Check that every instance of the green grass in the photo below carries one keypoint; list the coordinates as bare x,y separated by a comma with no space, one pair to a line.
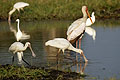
60,9
10,72
14,72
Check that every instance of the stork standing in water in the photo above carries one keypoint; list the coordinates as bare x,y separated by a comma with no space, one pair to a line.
17,6
18,47
77,28
64,44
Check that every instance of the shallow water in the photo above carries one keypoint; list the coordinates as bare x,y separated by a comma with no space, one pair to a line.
103,53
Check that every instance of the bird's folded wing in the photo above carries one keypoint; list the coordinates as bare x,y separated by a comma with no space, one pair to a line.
73,26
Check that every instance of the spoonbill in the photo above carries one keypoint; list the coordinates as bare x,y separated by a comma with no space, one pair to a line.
90,31
64,44
18,47
88,22
17,6
21,35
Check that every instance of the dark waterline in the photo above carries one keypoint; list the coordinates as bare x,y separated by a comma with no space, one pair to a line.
103,53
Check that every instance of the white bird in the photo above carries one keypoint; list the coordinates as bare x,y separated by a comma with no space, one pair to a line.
18,47
17,6
21,35
88,22
77,28
64,44
90,31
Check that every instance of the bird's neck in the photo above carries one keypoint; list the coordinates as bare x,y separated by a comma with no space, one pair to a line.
10,13
25,47
93,18
75,49
84,15
18,25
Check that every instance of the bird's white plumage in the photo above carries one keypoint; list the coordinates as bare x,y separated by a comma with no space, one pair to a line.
74,25
58,43
18,47
19,33
62,44
88,22
76,32
77,27
19,55
19,5
91,32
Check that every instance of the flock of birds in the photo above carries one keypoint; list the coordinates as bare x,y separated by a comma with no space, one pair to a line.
75,33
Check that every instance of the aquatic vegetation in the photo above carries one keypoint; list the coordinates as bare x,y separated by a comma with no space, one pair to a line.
60,9
33,73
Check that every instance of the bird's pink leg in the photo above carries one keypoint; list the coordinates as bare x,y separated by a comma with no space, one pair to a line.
79,43
84,57
80,48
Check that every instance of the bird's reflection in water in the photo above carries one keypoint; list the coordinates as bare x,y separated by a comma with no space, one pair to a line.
82,67
66,63
24,35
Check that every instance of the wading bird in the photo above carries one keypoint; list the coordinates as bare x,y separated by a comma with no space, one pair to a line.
64,44
88,22
77,28
18,47
20,35
17,6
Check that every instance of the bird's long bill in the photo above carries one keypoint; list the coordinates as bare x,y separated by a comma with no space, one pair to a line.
33,54
89,17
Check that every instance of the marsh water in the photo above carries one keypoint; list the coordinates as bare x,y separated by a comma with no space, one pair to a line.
103,53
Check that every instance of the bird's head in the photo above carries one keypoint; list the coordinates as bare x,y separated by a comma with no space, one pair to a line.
80,51
93,13
85,8
48,43
17,20
29,45
27,4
